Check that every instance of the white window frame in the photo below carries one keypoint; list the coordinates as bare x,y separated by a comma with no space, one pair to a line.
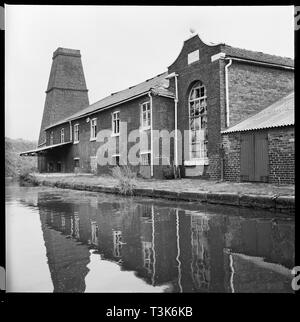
77,159
115,156
93,135
202,159
115,117
62,135
147,124
76,137
143,153
51,138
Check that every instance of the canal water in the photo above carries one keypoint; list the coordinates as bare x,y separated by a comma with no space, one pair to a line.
74,241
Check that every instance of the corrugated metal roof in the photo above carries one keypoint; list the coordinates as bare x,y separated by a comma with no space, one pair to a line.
159,84
280,113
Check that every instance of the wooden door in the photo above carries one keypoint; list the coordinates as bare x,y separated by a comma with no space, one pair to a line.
247,157
254,157
261,162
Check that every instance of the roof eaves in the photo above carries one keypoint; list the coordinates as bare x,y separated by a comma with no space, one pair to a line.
257,56
261,62
256,128
97,110
44,148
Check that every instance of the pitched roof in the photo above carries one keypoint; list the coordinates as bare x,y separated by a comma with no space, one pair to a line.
257,56
280,113
158,85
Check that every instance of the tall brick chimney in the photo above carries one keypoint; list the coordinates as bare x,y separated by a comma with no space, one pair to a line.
66,93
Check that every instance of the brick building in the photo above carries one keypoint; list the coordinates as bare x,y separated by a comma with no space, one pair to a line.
261,148
207,90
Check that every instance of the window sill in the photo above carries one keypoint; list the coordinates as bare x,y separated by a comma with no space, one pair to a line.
145,128
75,142
194,162
92,139
115,134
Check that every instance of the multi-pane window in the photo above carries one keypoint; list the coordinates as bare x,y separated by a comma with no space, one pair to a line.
198,121
76,133
51,138
145,158
76,162
145,115
116,122
93,128
62,135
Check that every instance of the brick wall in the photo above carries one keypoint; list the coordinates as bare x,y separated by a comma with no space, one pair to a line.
66,91
281,155
231,152
253,88
163,119
209,74
129,112
56,133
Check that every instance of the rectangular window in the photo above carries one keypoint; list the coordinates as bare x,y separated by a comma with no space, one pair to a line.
145,158
51,138
76,162
116,159
76,133
93,128
116,122
145,115
62,135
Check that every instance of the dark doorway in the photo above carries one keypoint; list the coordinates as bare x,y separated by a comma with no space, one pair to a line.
254,157
50,167
58,167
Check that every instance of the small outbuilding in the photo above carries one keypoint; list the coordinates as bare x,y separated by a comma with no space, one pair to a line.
261,147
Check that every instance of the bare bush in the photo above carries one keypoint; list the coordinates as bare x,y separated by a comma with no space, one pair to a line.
126,179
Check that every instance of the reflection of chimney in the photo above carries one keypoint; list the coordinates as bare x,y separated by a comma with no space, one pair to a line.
66,93
62,253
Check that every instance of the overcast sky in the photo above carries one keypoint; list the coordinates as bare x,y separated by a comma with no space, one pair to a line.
120,46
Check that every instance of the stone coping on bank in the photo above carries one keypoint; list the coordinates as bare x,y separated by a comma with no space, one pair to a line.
257,196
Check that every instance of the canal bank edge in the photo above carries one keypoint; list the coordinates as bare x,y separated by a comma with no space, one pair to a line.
282,204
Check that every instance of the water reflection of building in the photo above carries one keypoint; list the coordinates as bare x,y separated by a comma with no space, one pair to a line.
95,233
67,260
260,253
191,251
200,266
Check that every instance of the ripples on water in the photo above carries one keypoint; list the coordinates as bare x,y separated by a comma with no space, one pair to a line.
74,241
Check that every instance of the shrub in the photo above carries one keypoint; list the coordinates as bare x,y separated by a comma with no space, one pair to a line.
27,178
126,179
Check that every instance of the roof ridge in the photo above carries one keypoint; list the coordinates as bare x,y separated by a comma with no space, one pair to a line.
147,80
93,106
258,52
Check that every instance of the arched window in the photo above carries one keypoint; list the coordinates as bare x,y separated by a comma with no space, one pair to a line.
198,121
